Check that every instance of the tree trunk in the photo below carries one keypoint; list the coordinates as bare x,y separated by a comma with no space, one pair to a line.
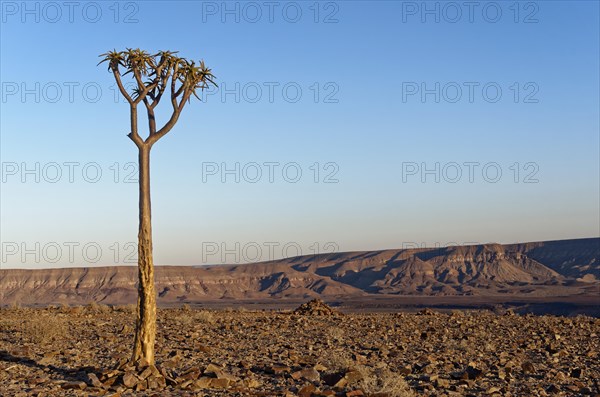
145,330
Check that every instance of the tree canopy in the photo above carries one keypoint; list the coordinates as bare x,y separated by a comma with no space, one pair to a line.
154,74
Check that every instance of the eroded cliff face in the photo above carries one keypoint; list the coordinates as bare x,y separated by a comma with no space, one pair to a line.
571,258
558,267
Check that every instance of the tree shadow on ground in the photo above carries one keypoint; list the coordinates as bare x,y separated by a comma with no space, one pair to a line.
62,373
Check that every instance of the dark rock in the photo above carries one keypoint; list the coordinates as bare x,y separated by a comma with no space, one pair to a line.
473,372
332,379
576,373
528,367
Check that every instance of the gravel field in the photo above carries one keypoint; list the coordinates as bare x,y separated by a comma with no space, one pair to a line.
313,351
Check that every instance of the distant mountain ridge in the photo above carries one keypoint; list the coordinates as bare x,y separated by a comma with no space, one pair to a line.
552,268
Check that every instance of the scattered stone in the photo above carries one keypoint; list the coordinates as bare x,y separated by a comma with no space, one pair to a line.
278,369
213,369
93,380
315,307
359,359
309,374
332,379
355,393
320,367
352,377
191,374
251,383
576,373
264,354
220,383
74,385
130,379
528,367
473,372
307,391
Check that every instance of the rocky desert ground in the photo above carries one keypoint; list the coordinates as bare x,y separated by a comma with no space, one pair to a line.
310,351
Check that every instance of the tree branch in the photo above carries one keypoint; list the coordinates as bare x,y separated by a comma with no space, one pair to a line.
136,139
164,130
143,88
161,89
115,71
151,118
133,135
174,117
185,77
186,97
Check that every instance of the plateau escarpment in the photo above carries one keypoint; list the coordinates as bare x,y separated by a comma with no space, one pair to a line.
542,269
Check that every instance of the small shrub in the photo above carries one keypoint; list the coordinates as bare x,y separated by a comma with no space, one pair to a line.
336,360
195,317
44,329
70,310
335,333
129,309
204,316
96,308
382,380
185,319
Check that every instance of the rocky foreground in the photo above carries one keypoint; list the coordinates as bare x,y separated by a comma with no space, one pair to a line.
313,351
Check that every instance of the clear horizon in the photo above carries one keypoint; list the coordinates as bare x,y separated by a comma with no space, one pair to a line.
337,126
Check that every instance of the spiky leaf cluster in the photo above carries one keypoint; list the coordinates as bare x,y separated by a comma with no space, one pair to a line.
153,74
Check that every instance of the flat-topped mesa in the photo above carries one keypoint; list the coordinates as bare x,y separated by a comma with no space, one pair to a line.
551,269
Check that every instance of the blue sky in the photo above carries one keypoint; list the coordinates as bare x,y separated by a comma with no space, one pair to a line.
394,103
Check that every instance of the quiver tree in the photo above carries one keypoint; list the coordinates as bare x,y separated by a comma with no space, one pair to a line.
153,76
